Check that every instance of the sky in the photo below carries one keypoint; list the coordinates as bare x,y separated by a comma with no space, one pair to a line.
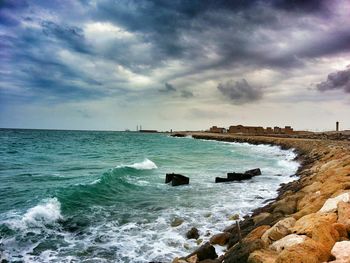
179,64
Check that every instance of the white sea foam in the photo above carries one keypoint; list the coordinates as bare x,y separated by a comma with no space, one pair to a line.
45,213
154,239
144,165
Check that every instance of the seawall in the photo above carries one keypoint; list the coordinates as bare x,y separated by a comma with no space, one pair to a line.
304,223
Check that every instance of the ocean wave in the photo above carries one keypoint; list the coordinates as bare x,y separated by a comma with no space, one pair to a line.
45,213
144,165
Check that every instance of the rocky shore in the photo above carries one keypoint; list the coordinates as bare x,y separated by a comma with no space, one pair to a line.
308,222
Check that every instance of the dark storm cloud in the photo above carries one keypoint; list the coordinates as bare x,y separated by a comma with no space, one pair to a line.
240,92
339,80
203,35
187,29
30,63
168,88
70,36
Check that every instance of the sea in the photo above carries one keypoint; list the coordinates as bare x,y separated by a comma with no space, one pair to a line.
100,196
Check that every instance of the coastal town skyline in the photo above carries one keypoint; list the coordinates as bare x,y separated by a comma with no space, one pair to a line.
180,65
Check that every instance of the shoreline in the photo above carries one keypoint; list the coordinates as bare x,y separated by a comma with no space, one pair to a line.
324,173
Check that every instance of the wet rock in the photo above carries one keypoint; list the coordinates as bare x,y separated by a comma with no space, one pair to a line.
222,180
204,252
176,179
192,233
287,242
234,217
285,206
231,177
341,252
279,230
344,214
220,239
178,135
309,251
176,222
238,176
331,204
253,172
240,252
260,217
262,256
199,241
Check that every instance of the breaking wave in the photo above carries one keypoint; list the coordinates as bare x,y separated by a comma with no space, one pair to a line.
144,165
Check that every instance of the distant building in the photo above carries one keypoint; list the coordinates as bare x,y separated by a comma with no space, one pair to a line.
216,129
277,130
246,129
269,130
288,130
258,130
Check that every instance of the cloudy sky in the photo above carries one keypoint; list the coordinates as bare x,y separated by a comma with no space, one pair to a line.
179,64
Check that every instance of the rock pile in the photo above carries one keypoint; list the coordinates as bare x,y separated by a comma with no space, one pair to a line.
310,220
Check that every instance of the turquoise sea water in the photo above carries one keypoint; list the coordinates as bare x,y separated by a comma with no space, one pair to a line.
89,196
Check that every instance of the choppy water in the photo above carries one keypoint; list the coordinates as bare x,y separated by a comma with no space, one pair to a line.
88,196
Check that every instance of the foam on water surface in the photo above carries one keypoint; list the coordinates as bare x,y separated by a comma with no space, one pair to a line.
124,214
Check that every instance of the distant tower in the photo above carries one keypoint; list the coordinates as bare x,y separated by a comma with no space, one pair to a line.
137,127
337,126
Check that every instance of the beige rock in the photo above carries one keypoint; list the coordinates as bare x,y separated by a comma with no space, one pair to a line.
256,233
341,251
263,256
306,224
331,204
325,234
279,230
287,242
309,251
344,214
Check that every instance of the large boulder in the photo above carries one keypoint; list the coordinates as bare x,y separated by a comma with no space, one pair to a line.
204,252
240,252
331,204
286,206
287,242
325,234
344,214
257,233
220,239
176,179
309,251
306,224
279,230
341,252
263,256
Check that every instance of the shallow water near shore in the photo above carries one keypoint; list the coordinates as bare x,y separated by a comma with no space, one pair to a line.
88,196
